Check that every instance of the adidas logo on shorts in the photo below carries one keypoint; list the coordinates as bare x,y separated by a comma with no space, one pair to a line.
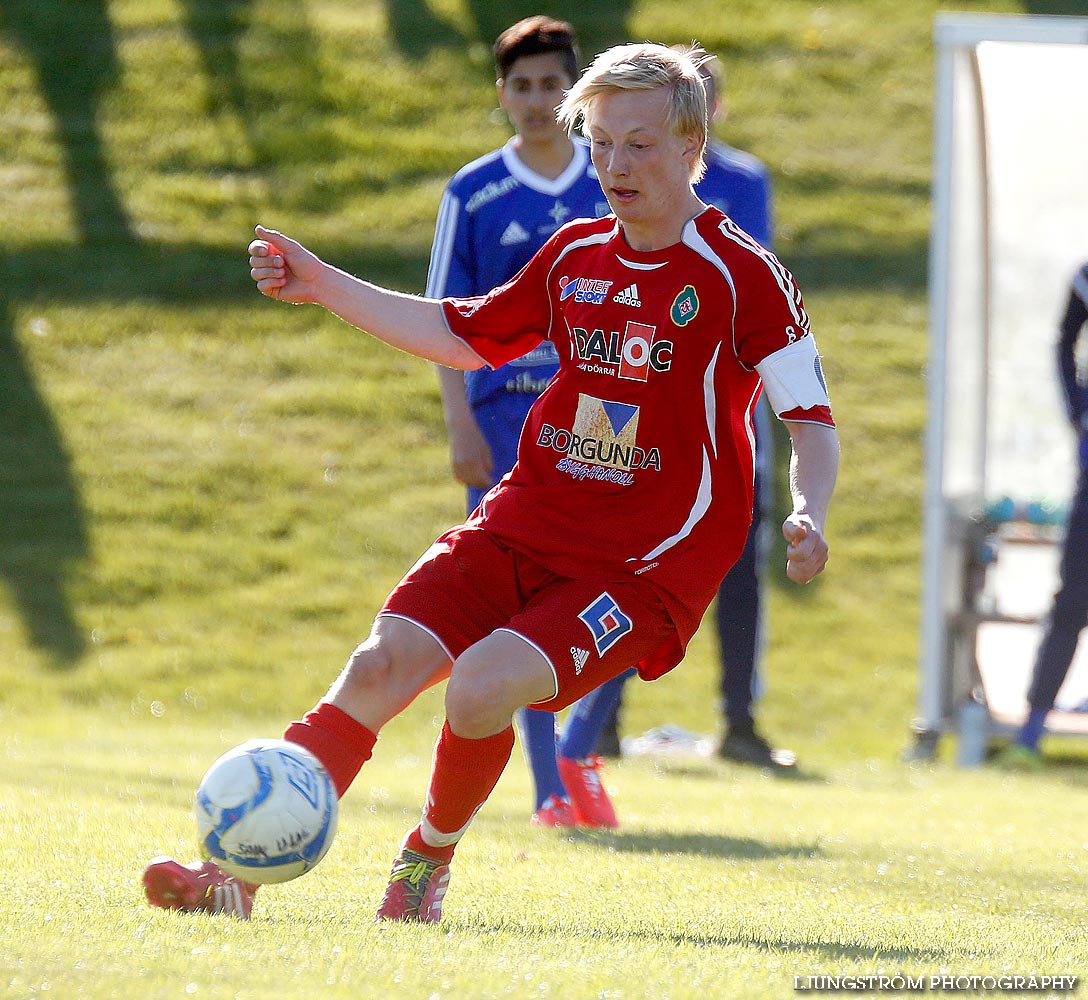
628,296
580,656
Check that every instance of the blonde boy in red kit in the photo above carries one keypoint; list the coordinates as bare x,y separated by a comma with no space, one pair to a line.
632,492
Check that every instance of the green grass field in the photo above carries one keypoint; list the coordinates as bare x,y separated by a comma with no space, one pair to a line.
204,496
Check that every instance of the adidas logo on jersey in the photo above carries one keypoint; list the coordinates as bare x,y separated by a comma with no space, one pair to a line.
580,656
628,296
514,233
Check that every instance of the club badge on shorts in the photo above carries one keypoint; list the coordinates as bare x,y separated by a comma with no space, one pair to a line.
606,622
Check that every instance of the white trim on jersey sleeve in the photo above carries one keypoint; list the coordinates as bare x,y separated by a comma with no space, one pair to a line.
484,363
445,231
792,377
783,278
710,400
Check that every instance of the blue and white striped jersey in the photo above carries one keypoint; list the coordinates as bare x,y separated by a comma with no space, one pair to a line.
740,185
494,215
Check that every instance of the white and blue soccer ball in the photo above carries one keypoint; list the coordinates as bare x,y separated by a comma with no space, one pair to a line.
266,811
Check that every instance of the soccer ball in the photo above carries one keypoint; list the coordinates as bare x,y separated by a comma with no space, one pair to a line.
266,811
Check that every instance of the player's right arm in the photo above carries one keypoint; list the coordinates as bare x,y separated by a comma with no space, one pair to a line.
452,271
470,456
285,270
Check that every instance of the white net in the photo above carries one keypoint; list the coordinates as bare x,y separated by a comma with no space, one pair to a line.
1010,229
1036,155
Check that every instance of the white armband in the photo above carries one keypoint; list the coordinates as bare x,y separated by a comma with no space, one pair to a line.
793,378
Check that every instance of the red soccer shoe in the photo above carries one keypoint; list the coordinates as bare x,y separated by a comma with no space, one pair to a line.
202,887
592,806
416,888
555,812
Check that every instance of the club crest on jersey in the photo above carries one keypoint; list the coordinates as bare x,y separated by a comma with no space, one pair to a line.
590,290
632,356
685,306
606,622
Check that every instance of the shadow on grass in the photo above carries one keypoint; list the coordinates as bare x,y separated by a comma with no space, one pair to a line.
582,929
168,273
598,23
712,771
73,52
44,533
1068,765
847,255
704,845
1062,764
857,262
1075,7
417,30
43,526
216,27
261,71
72,49
715,768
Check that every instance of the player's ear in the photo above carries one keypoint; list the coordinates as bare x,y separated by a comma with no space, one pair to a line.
693,146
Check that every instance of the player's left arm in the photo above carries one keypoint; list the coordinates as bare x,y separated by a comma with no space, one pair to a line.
795,387
771,335
814,466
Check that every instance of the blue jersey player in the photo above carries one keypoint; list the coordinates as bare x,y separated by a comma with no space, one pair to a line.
495,213
1069,612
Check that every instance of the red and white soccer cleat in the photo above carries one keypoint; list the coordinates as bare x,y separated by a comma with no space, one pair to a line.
555,812
416,888
592,806
202,887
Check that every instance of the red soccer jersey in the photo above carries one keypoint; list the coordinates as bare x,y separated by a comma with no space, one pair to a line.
638,458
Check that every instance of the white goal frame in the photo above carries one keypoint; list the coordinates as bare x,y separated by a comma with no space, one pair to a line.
960,278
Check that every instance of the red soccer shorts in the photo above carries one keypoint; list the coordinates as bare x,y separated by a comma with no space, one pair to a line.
469,584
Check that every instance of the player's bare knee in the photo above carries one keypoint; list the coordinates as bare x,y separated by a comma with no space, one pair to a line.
370,666
477,703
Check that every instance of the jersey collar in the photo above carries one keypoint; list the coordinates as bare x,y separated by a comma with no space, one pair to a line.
545,185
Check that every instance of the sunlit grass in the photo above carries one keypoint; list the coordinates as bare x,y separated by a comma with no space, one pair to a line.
718,883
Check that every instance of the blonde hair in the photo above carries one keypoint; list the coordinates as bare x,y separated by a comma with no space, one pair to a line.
646,66
713,75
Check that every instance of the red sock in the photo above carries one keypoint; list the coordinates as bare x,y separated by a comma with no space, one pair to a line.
341,743
463,774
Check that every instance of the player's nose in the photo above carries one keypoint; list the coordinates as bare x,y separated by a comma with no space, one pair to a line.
617,162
